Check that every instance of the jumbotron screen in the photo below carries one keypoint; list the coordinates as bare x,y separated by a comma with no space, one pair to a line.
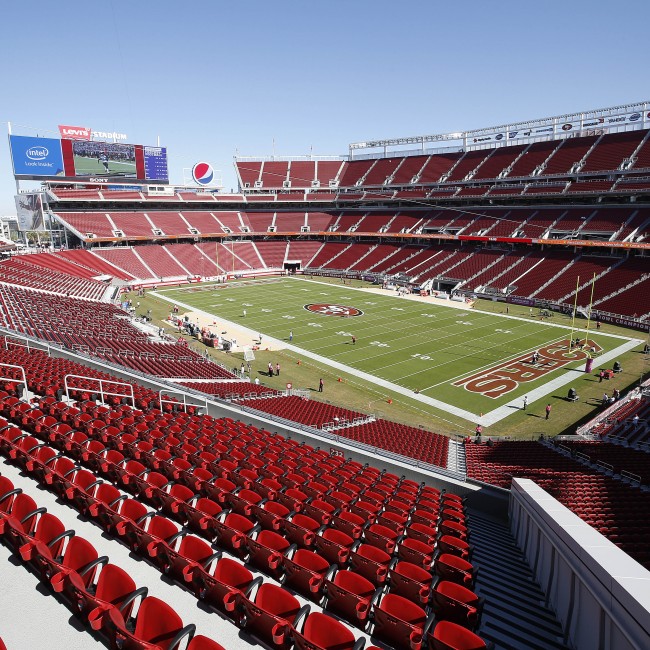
42,158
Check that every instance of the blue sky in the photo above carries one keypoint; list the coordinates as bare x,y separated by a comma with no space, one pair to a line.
215,78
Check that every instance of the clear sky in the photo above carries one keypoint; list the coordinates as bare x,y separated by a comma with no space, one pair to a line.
215,78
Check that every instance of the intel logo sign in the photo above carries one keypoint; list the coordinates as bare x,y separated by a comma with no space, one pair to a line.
37,153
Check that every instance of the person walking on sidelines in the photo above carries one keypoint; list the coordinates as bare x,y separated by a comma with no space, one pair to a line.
525,401
548,411
270,369
290,336
354,340
244,313
320,386
277,369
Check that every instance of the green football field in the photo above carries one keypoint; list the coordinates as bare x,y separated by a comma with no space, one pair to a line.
84,165
463,361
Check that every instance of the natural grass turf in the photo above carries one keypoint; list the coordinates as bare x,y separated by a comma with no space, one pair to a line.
356,393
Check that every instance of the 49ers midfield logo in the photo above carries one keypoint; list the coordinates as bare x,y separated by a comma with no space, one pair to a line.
333,310
499,380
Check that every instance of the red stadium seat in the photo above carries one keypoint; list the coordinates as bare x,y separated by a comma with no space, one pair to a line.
451,636
349,595
156,625
370,562
270,614
453,602
321,632
305,573
411,581
399,622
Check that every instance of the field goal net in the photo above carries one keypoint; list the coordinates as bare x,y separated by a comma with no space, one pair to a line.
249,355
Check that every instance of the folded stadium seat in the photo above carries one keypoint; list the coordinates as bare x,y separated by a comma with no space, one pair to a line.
333,545
154,625
200,511
270,470
315,489
180,555
453,514
370,562
79,559
292,479
267,550
454,546
349,523
197,478
8,435
147,530
243,501
412,550
293,499
91,453
454,569
339,499
369,511
232,530
245,478
271,515
219,489
427,504
268,488
453,602
18,521
80,492
350,596
411,581
399,622
451,636
49,531
320,510
451,527
422,533
130,476
398,505
301,530
304,572
112,588
382,537
424,517
321,632
270,614
23,450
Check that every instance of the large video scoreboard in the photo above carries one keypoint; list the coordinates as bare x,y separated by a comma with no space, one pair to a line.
36,158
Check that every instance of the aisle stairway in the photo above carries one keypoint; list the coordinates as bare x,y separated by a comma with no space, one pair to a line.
515,615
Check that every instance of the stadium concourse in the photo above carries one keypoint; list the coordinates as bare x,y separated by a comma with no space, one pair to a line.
162,498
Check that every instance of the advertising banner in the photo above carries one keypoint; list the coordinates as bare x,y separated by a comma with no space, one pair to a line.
29,212
36,156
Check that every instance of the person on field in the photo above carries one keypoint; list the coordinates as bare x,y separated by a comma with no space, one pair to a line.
320,385
277,369
270,369
525,401
548,411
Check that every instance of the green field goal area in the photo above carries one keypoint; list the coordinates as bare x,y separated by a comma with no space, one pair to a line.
462,361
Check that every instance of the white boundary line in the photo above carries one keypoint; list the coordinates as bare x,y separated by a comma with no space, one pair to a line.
486,419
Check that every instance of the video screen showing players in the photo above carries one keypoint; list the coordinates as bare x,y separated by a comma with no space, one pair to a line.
104,158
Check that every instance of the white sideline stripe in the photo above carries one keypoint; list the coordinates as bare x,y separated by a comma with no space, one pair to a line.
487,419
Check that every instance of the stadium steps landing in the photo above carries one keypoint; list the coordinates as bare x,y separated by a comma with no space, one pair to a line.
515,615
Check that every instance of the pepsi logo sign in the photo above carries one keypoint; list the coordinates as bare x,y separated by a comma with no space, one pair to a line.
37,153
202,173
333,310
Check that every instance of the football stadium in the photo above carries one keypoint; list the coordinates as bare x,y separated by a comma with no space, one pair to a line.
393,399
